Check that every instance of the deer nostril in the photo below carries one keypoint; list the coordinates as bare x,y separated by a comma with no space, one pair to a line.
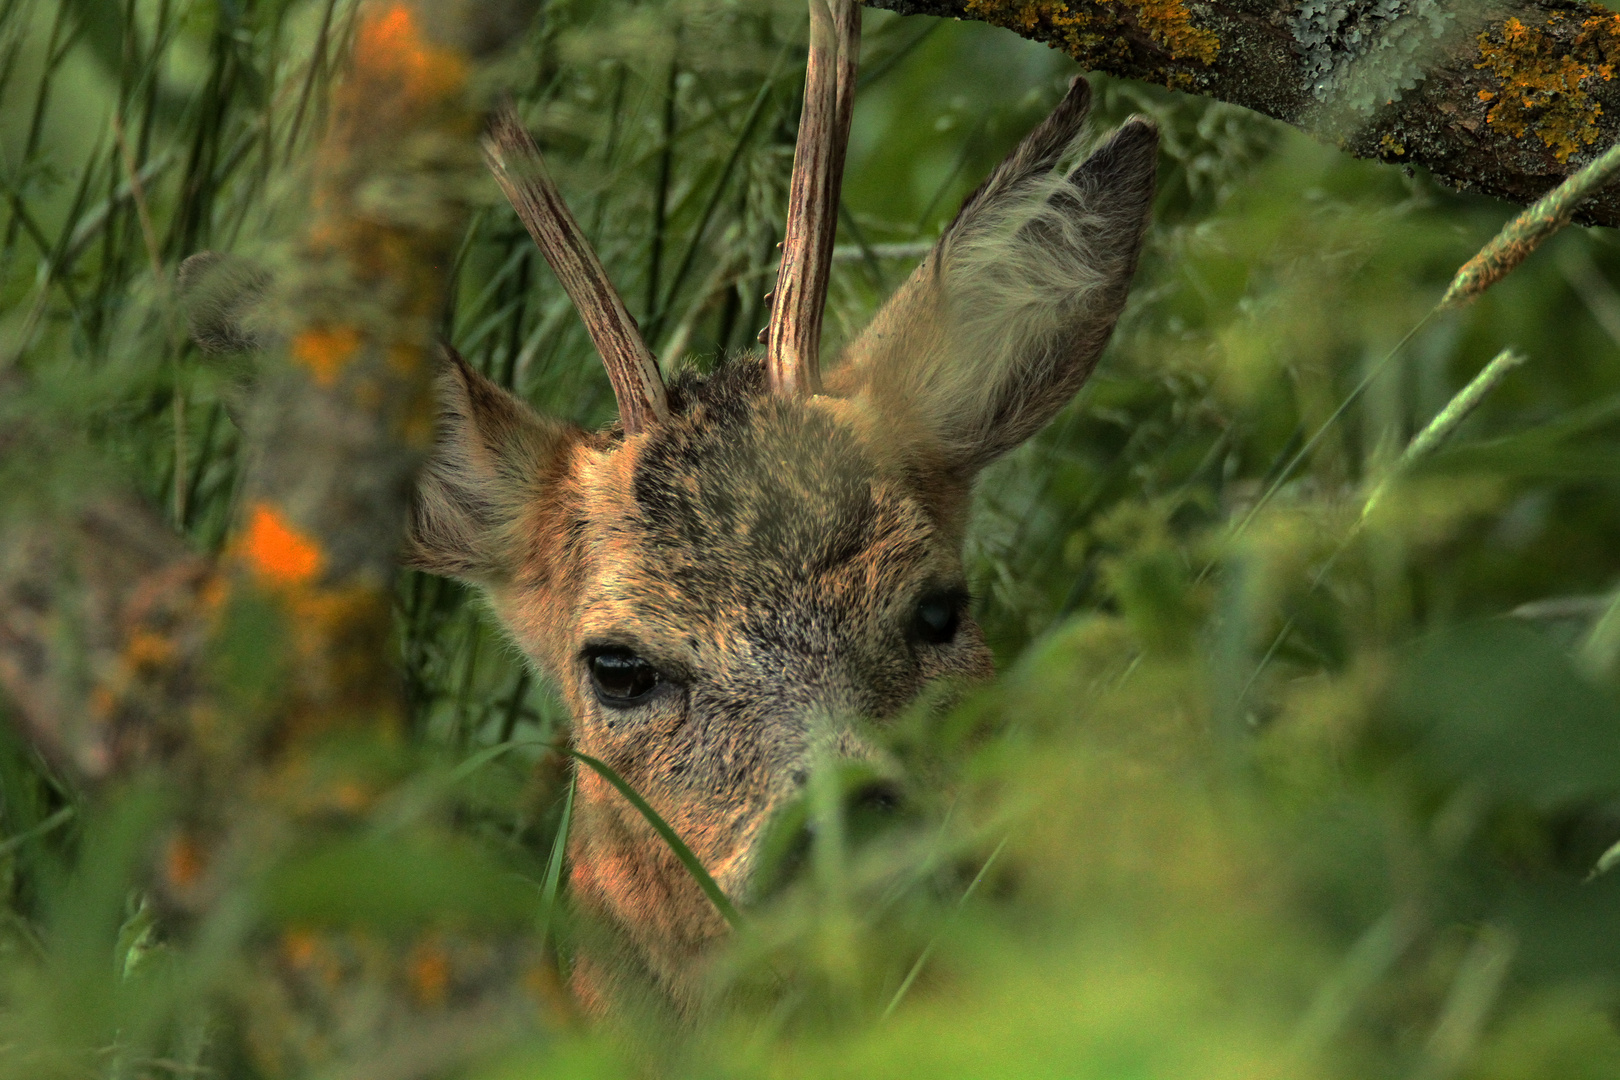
797,853
870,809
880,798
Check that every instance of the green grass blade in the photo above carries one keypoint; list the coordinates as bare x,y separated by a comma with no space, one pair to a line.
710,889
554,865
1525,233
928,950
50,824
1305,451
1448,419
721,183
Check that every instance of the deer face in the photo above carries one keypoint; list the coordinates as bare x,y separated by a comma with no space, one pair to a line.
720,599
761,583
725,586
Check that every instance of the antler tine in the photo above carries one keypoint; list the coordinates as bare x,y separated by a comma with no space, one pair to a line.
792,356
521,172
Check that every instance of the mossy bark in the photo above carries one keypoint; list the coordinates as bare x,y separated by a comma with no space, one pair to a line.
1507,97
259,686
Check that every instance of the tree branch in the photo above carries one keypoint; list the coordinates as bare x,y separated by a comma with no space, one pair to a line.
1506,97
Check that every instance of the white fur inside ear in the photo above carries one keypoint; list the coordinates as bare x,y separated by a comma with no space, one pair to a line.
1004,321
1017,282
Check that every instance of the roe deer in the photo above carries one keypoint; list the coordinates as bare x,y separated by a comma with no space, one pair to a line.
719,583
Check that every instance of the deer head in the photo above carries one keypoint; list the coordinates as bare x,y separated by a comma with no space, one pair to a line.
749,562
752,560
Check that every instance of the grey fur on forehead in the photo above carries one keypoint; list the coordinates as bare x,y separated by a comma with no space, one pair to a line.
739,473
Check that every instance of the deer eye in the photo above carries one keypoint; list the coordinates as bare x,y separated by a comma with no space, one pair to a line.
621,679
938,616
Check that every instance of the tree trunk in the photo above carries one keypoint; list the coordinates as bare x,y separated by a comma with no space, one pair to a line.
1505,98
259,686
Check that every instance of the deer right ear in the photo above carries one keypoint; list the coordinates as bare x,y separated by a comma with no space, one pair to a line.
1004,320
492,464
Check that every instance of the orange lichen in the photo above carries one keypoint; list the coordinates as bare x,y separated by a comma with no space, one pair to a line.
1545,85
337,635
305,951
1600,37
1170,24
326,350
428,970
389,47
1391,146
183,862
147,650
1084,35
299,948
277,552
1181,80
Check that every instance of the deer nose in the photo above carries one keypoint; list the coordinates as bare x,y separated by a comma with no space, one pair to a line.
873,796
868,808
876,799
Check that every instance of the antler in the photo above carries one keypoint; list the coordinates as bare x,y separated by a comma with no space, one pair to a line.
792,357
521,172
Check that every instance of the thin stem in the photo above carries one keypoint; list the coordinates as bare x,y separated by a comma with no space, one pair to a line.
554,865
666,157
928,950
710,888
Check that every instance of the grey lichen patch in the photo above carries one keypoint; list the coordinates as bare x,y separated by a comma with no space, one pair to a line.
1359,54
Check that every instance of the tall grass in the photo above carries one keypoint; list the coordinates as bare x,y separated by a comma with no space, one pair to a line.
1269,788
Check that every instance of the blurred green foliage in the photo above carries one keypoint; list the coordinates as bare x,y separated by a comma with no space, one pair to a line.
1265,790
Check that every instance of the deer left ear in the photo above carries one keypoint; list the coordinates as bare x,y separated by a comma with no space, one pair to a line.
491,468
1005,319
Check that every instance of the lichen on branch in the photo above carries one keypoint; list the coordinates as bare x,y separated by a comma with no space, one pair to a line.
1506,98
1089,29
1545,88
